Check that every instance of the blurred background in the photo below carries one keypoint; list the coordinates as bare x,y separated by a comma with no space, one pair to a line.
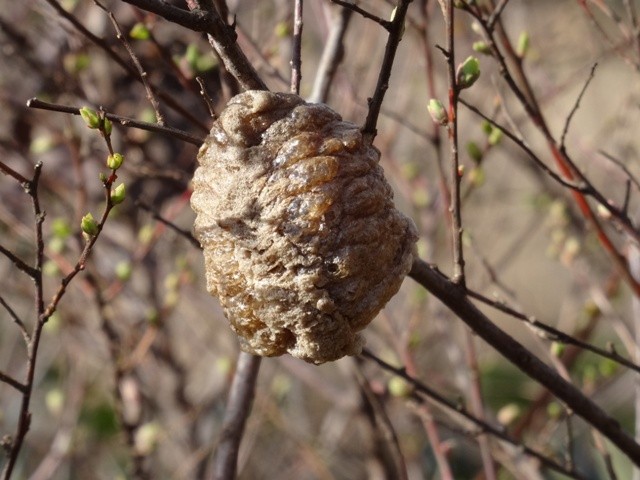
133,369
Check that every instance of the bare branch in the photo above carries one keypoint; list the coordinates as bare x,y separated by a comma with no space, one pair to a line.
296,58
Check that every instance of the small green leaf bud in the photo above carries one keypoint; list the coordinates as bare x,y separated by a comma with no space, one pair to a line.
468,72
495,136
118,194
474,152
481,47
103,177
90,117
114,161
486,127
107,126
523,44
139,32
89,225
438,112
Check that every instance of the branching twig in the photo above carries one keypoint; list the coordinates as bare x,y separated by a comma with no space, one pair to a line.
154,213
575,107
386,24
124,121
141,71
455,298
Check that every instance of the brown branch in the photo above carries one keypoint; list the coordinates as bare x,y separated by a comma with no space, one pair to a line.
455,298
386,24
396,30
13,382
238,409
16,319
223,38
296,57
124,121
425,391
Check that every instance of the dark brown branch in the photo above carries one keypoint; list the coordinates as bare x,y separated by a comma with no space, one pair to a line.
154,213
222,35
386,24
16,319
575,107
455,298
396,30
296,57
19,263
13,382
124,121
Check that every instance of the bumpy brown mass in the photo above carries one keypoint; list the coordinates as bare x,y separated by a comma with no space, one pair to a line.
302,243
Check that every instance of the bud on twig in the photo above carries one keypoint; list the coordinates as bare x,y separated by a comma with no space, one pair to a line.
523,44
118,194
438,112
468,72
90,117
89,225
114,161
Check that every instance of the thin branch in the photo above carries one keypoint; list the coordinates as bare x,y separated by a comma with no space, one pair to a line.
100,43
575,107
154,213
386,24
141,71
396,31
296,57
16,319
207,99
238,409
455,298
13,382
124,121
7,170
332,55
18,262
423,390
495,15
550,333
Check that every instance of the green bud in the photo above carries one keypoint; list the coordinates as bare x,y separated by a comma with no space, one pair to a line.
523,44
557,349
474,152
89,225
486,127
60,228
114,161
139,32
495,136
481,47
118,194
438,112
123,270
103,177
398,387
90,117
283,30
107,126
468,72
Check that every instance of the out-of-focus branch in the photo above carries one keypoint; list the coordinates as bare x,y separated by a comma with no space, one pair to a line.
238,408
296,58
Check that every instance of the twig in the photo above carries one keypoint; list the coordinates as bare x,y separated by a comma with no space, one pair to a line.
207,99
454,297
386,24
495,15
6,169
622,167
332,55
100,43
141,71
16,319
296,57
396,30
124,121
238,409
550,333
575,107
13,382
455,206
18,262
154,213
424,390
